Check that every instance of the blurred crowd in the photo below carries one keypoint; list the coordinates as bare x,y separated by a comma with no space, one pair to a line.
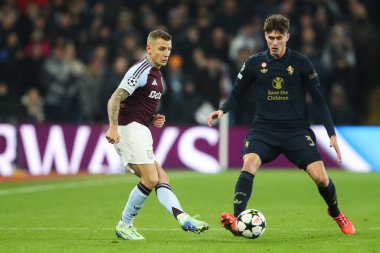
60,60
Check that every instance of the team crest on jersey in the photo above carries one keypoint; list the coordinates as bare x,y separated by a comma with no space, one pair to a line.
290,70
278,83
132,81
264,67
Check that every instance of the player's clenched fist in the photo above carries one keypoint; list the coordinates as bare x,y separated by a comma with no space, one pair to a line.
158,120
112,135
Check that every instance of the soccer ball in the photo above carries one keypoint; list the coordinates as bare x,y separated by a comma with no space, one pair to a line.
251,223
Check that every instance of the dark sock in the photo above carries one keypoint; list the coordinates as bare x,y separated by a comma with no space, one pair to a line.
243,190
329,195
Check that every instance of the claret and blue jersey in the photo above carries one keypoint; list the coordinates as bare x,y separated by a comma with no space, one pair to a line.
144,84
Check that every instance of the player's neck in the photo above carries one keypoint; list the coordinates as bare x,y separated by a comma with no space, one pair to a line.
153,63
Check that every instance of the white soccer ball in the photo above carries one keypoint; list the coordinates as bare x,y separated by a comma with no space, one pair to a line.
251,223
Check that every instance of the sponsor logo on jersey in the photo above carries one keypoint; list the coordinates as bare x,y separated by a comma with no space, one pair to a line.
154,82
154,94
278,83
290,70
314,75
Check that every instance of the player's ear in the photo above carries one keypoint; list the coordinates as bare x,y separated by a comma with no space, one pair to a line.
287,36
148,49
266,37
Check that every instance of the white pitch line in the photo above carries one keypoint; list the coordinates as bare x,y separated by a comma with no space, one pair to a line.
161,229
63,185
96,229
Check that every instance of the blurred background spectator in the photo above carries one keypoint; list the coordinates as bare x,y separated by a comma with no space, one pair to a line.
61,60
33,107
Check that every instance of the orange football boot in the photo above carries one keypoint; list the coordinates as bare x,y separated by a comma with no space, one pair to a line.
228,221
344,223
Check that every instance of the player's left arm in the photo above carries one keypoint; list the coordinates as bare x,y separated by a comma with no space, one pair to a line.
310,76
334,144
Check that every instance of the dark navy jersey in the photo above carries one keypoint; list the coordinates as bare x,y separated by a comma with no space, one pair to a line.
280,87
144,84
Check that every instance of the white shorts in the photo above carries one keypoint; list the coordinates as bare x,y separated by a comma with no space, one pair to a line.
135,145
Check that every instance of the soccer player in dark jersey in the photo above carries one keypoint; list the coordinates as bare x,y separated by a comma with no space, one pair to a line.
281,77
131,109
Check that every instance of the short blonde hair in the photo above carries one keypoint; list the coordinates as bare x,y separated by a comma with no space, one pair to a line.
158,34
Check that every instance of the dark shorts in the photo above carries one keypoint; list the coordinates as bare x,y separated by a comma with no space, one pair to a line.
298,145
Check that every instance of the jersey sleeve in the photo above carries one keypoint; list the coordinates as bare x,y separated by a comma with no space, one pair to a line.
243,79
131,82
311,79
309,75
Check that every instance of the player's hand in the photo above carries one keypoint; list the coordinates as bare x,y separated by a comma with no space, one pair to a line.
334,143
158,120
112,135
214,115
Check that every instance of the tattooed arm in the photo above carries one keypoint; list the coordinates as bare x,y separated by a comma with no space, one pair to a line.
113,107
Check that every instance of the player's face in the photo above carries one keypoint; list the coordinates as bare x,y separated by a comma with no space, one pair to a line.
159,52
276,42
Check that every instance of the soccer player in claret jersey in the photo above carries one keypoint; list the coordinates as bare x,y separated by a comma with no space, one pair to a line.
281,77
131,109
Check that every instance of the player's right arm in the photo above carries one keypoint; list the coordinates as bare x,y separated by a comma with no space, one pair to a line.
240,86
113,108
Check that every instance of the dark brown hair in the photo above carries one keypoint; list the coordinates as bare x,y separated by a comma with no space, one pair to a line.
276,22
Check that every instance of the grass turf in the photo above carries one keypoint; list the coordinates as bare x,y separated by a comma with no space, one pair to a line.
79,214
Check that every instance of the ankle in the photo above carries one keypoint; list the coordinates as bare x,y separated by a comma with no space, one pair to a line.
123,224
182,216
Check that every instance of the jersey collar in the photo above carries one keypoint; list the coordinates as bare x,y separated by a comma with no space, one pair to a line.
284,58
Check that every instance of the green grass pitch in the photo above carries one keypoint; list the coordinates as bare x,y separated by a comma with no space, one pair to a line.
78,214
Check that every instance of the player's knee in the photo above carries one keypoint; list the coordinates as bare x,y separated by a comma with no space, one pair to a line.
150,181
321,180
163,179
251,163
